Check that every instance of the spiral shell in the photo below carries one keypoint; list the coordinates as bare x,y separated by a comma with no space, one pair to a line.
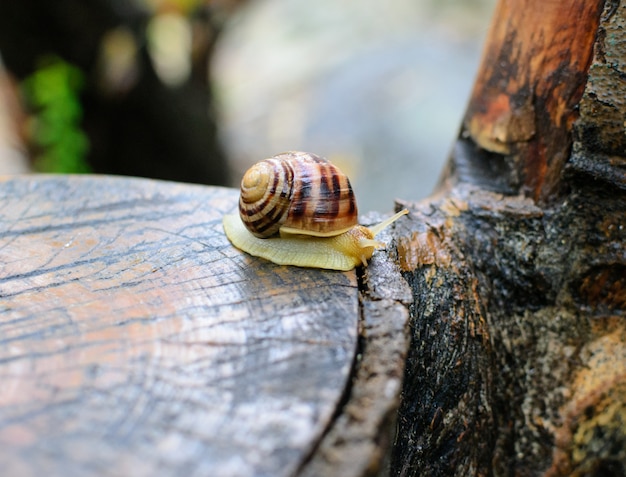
296,193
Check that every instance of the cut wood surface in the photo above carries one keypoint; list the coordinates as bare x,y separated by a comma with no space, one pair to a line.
135,340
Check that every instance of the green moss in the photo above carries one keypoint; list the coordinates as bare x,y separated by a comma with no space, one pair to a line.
52,93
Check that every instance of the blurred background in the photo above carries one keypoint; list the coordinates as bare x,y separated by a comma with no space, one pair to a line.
198,90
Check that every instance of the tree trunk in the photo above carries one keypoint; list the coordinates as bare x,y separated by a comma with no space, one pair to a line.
517,264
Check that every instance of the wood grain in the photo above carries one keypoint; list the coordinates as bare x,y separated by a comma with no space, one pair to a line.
134,340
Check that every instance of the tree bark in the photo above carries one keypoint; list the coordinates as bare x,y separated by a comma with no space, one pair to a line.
517,264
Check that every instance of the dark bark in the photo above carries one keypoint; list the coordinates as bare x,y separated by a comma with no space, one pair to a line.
517,265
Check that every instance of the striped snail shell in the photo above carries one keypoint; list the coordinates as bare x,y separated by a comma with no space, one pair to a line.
297,193
298,209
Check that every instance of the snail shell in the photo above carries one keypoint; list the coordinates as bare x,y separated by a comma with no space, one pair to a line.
298,209
297,193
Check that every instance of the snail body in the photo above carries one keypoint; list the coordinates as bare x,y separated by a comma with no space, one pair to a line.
338,252
299,209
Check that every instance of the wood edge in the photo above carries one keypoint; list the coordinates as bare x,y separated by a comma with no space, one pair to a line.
359,441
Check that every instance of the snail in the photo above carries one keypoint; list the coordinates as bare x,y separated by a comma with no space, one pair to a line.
299,209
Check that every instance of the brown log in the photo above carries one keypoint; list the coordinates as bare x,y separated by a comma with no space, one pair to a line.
518,358
135,340
531,79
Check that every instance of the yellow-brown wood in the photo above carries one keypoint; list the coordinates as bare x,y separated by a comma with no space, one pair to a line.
135,340
531,78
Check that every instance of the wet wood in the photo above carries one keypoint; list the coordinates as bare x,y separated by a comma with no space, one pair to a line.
518,359
135,340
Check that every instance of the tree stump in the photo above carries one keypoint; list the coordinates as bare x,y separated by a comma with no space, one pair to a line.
135,340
